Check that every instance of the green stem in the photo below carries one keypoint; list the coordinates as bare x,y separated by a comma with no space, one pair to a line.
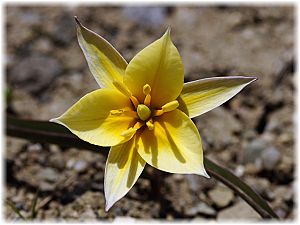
241,188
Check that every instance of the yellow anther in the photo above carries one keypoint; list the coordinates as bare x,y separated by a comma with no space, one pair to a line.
134,101
158,112
128,133
138,125
146,89
116,112
122,88
150,124
143,112
119,112
130,113
131,131
170,106
147,100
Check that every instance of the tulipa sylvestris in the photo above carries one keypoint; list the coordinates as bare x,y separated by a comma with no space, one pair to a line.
144,110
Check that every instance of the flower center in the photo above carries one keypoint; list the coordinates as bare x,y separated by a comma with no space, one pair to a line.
143,112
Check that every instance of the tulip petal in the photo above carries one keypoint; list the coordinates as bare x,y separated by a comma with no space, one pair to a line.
123,168
160,66
105,63
174,145
90,118
201,96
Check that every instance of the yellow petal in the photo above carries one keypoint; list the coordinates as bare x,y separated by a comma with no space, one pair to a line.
203,95
174,145
158,65
94,119
123,168
105,63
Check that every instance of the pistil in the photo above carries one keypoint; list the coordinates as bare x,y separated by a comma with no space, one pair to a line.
143,112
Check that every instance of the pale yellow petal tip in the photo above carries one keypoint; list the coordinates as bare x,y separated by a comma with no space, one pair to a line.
108,206
57,120
249,79
77,21
253,79
203,173
168,33
54,120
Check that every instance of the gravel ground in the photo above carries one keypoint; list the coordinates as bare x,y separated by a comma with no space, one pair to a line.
252,134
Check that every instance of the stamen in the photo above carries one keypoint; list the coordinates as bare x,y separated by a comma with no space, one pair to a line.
138,125
170,106
146,89
150,124
131,113
147,100
116,112
131,131
158,112
128,133
134,101
119,112
122,88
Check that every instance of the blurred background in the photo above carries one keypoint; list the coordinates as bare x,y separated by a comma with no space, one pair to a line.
252,134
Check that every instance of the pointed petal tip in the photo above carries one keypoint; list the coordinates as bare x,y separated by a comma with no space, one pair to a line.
254,78
251,79
54,120
107,207
77,20
203,173
168,30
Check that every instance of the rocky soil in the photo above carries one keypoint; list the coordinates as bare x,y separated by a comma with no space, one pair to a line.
252,134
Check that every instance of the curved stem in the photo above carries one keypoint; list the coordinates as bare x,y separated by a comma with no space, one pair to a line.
241,188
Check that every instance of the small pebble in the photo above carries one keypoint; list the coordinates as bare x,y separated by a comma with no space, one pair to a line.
270,158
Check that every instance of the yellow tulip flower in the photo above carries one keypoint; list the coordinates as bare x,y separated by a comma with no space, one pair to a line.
144,110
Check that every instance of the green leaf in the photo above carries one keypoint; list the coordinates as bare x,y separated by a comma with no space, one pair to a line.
33,206
45,132
42,131
8,95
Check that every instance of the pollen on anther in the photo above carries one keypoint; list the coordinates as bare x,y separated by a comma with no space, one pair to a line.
150,124
116,112
146,89
170,106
